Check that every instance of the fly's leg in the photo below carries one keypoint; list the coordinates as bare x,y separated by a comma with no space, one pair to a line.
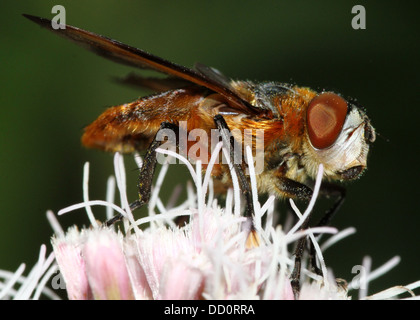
229,142
146,173
294,189
328,190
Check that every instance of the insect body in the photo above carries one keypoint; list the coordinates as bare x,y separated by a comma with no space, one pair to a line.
302,128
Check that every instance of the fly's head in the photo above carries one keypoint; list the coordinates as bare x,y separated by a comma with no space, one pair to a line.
338,135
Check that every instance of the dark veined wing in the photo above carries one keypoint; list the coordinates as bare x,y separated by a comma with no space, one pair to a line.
171,82
213,74
122,53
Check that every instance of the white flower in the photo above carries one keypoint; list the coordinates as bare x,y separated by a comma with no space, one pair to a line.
212,256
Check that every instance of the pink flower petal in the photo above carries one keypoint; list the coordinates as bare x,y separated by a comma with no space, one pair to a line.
136,273
72,266
105,266
179,281
156,249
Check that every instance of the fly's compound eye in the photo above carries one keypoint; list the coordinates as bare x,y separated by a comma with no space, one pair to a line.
325,119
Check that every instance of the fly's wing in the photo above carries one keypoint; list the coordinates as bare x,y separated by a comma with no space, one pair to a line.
171,82
122,53
153,84
213,75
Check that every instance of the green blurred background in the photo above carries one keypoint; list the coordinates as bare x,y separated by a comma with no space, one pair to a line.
51,89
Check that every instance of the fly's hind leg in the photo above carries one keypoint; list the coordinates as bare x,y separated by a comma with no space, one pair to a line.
146,173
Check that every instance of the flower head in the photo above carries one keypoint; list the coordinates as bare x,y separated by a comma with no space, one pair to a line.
214,255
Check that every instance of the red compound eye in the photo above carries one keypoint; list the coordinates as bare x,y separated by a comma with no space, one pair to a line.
325,118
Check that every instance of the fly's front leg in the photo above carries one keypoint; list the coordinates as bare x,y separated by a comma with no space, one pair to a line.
293,189
146,172
332,190
328,190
